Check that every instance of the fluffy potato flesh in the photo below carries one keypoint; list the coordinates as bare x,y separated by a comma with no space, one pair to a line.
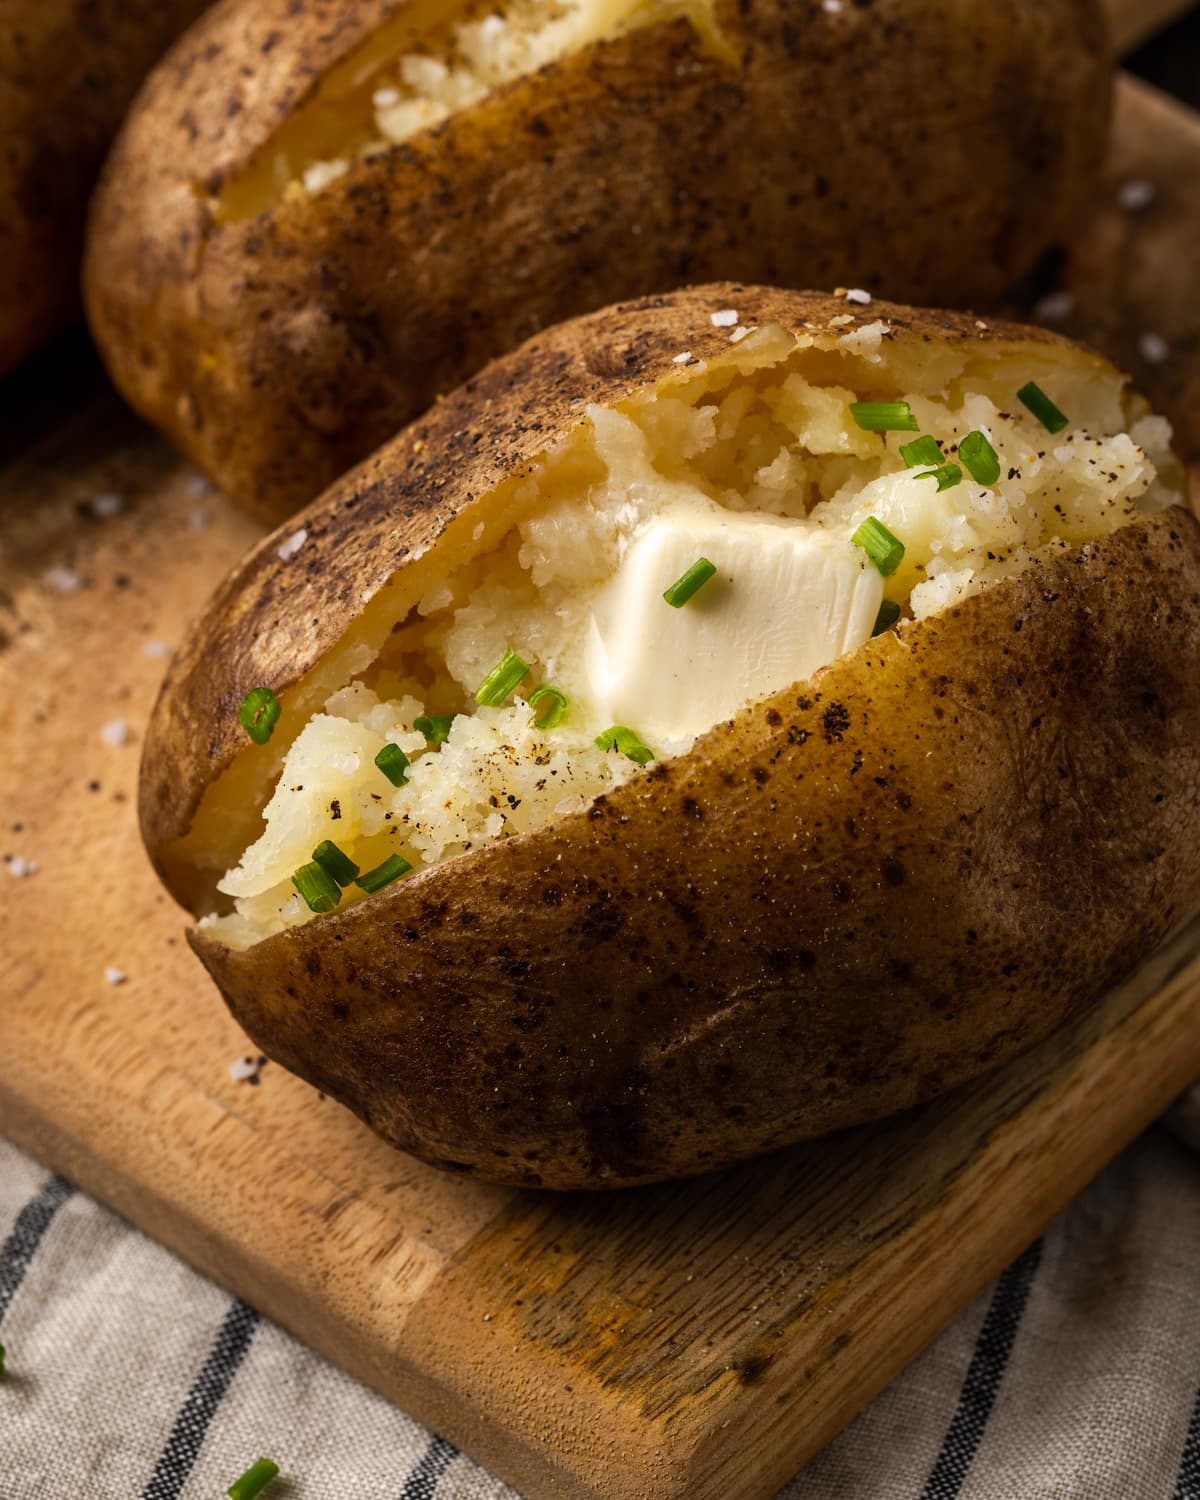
757,460
416,70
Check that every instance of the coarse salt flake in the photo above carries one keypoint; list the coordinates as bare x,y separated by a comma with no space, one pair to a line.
859,295
114,975
682,359
65,580
291,545
1135,194
115,733
19,866
739,333
1054,306
159,650
831,7
246,1069
107,504
1153,348
726,318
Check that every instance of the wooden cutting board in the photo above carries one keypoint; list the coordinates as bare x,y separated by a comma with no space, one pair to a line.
701,1339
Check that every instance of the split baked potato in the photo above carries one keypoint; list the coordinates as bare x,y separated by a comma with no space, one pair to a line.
321,216
564,859
68,69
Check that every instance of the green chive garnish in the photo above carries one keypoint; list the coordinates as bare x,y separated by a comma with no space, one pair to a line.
391,869
556,706
259,713
626,741
884,549
889,613
980,457
435,727
1042,407
334,862
884,416
947,476
921,452
317,886
393,762
252,1482
501,680
689,583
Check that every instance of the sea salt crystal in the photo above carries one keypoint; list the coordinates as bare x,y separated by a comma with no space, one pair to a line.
831,7
682,359
1054,306
1153,348
291,545
115,733
159,650
107,505
19,866
246,1069
1135,195
857,295
65,580
114,975
726,318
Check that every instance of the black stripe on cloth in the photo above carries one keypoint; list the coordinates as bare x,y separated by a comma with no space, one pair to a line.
26,1235
207,1392
1187,1486
984,1374
422,1483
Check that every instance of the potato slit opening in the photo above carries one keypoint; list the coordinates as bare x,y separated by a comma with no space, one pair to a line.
760,462
424,64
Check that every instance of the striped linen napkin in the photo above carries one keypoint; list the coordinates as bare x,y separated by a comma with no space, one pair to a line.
1074,1377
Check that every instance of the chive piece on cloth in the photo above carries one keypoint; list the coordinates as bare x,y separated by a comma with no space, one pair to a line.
501,680
922,452
435,727
689,583
621,738
1036,400
947,476
885,550
889,613
391,869
980,457
259,713
318,887
334,862
555,710
884,416
246,1486
393,762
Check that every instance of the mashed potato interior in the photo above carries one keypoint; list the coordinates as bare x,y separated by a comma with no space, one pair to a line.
769,436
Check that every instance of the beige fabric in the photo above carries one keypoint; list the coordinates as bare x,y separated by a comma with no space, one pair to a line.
1074,1377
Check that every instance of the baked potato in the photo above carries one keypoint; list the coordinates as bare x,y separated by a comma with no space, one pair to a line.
321,216
566,860
68,69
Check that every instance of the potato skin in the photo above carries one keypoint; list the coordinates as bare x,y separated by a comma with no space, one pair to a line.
931,149
68,69
851,897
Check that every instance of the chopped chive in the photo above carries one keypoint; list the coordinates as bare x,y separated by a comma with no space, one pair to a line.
1033,397
889,613
884,549
393,762
391,869
980,457
947,476
689,583
334,862
556,706
259,713
921,452
435,727
627,742
317,886
501,680
253,1481
884,416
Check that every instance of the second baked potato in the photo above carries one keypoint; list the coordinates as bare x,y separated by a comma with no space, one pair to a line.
563,858
320,216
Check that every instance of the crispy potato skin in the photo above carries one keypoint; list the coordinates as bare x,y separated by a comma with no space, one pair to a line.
931,149
68,69
851,897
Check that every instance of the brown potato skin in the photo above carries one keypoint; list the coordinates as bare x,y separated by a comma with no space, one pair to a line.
853,896
929,149
68,69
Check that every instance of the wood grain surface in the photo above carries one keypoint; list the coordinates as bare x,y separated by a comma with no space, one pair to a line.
701,1339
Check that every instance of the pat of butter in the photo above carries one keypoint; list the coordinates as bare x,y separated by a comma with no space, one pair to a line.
785,600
